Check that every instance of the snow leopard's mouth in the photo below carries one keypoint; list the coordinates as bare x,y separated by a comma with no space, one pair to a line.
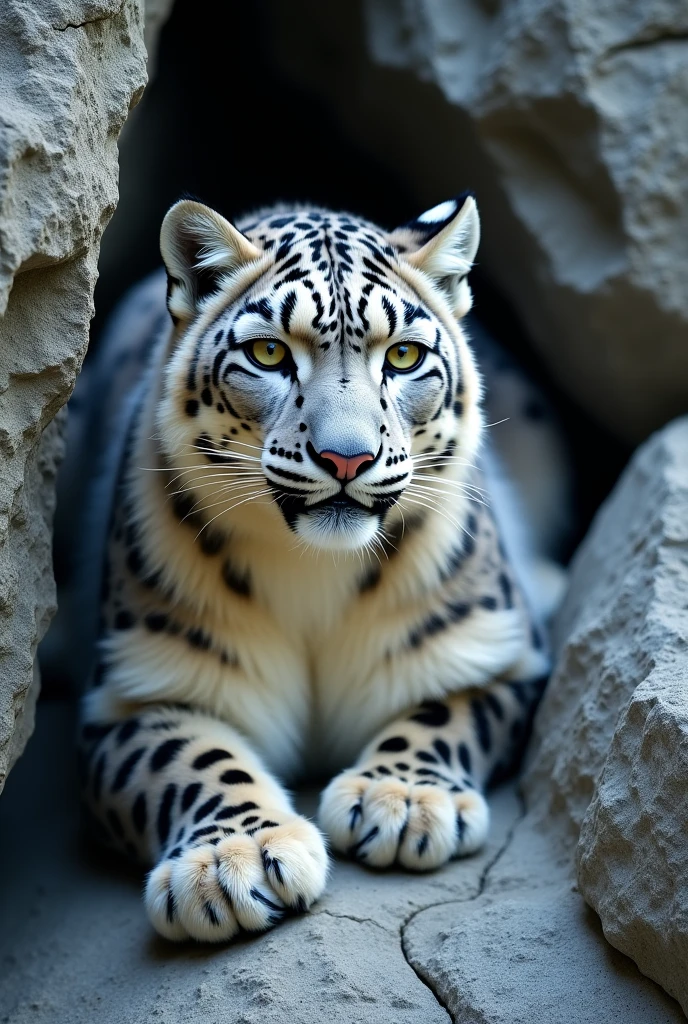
339,522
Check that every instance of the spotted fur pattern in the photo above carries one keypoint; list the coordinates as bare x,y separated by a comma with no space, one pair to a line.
263,618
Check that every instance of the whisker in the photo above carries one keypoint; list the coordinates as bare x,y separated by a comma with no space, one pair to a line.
251,497
447,494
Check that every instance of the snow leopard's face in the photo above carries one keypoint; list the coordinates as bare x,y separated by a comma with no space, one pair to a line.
318,364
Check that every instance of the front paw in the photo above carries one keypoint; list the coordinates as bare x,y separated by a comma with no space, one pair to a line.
211,892
390,821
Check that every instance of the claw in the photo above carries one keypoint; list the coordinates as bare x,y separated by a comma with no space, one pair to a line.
357,847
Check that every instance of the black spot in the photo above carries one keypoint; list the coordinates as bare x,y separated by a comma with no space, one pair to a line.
240,584
423,844
458,408
425,755
507,589
251,820
156,621
231,812
207,830
190,795
135,562
165,813
489,603
383,769
235,777
191,407
139,813
208,807
299,402
370,580
125,770
494,705
166,752
465,758
207,396
197,638
395,744
442,749
124,620
482,725
211,757
287,309
431,713
211,541
402,766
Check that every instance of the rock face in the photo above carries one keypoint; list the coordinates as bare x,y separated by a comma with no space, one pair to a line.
632,637
624,616
578,114
71,71
569,120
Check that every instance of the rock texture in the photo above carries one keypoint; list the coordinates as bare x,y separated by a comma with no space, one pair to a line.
71,71
630,651
578,112
624,616
569,120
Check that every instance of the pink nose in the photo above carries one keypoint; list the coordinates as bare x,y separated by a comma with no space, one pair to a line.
346,469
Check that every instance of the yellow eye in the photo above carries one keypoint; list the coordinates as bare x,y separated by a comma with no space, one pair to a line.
268,353
404,357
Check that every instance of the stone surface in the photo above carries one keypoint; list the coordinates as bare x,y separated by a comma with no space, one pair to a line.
529,960
633,849
623,618
71,71
379,948
569,120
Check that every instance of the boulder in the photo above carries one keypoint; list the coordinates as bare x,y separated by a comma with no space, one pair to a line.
633,848
624,615
71,71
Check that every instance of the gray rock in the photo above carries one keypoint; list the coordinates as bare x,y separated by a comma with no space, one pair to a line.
624,614
530,960
570,121
71,71
633,849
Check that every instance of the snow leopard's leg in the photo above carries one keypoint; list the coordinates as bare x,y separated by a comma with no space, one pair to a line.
414,797
183,791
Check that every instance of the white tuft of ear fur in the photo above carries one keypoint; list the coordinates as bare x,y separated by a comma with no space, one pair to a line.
443,243
198,248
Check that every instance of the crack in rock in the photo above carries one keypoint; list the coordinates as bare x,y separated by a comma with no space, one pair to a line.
482,883
352,917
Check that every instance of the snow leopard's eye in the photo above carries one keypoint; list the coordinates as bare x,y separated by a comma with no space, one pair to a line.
404,357
267,353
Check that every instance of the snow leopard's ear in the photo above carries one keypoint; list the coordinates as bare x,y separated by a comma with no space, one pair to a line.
442,242
199,248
